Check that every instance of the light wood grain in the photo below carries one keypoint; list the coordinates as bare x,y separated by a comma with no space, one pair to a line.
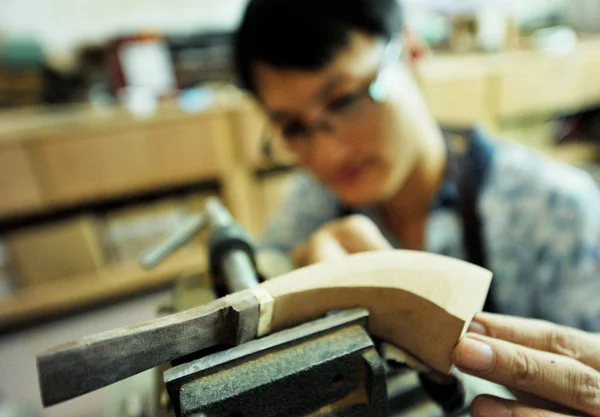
538,84
419,302
83,291
88,167
18,186
457,90
57,250
43,124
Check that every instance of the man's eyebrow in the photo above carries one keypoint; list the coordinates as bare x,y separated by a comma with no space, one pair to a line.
329,86
321,94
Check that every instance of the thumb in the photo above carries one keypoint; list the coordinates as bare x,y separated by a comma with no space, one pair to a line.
488,406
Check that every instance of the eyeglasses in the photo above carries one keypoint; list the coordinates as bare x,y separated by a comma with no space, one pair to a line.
297,135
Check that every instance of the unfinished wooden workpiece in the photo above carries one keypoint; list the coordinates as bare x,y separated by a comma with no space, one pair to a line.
419,302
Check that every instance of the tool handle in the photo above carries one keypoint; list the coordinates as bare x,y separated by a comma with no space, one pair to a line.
190,228
231,252
217,213
239,271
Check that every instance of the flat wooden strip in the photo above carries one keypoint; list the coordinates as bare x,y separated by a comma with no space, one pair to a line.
82,366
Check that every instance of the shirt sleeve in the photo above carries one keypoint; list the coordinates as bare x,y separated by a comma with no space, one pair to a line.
309,206
543,230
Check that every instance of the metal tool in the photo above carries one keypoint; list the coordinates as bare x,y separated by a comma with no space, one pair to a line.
231,253
183,235
326,367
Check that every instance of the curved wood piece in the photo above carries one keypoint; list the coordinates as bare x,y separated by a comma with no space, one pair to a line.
419,302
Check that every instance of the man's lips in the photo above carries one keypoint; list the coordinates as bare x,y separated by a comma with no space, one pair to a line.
348,174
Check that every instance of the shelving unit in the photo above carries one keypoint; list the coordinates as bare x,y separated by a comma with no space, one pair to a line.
54,160
77,158
112,283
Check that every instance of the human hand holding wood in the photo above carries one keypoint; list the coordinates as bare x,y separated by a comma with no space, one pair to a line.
553,370
335,240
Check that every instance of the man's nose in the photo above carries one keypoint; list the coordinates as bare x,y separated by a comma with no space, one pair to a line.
328,147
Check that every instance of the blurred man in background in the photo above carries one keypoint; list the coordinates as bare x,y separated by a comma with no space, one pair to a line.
335,79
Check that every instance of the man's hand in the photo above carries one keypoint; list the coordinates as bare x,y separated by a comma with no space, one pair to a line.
555,366
335,240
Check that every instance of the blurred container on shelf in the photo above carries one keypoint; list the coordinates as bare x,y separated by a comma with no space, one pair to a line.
559,40
19,53
465,26
21,75
194,100
141,61
57,250
201,58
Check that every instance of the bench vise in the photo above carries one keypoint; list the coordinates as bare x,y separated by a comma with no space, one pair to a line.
261,350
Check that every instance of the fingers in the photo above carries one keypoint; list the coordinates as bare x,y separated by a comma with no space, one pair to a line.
323,246
350,235
557,378
541,335
359,234
299,255
488,406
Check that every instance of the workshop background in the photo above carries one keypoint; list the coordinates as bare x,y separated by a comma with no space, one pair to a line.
119,118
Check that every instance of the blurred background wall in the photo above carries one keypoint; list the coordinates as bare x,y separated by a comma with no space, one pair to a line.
64,24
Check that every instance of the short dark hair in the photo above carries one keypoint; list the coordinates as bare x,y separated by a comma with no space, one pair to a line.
306,34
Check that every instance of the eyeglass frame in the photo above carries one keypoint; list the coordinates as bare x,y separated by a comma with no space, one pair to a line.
375,91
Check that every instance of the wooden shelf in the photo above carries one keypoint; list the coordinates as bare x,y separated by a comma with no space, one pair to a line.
491,88
55,298
576,153
40,124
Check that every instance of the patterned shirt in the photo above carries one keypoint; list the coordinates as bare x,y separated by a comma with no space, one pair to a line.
540,223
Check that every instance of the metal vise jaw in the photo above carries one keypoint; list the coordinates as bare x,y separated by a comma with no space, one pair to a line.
328,367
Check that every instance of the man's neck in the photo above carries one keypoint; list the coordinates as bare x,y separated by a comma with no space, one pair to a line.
408,209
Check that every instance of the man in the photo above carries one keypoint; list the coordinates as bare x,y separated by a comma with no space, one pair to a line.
334,77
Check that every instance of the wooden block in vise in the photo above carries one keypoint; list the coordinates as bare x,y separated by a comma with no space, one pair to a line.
419,302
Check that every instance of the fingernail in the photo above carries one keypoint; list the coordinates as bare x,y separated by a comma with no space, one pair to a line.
476,327
488,407
473,355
